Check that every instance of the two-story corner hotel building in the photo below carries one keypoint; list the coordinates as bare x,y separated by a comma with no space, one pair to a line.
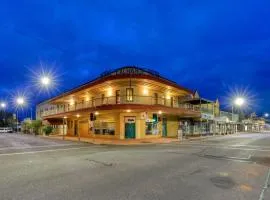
126,103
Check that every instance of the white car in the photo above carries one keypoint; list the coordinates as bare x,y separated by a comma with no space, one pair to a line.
5,130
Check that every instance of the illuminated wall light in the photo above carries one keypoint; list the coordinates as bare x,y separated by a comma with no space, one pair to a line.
96,113
87,98
160,112
71,102
145,91
110,92
77,115
128,111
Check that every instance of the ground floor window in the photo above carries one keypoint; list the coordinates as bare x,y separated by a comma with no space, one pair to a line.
151,128
104,127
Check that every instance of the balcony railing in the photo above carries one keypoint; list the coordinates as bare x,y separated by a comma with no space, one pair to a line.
230,116
207,110
143,100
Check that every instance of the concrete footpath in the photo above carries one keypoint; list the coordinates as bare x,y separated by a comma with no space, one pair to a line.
101,141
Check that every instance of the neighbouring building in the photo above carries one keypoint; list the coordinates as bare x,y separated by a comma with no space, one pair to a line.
133,103
212,120
253,124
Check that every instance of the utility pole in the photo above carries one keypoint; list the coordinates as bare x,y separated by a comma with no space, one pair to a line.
17,119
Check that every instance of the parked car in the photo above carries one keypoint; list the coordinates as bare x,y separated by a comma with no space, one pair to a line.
6,130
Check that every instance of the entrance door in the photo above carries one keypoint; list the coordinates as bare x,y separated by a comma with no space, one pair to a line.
130,128
164,127
75,127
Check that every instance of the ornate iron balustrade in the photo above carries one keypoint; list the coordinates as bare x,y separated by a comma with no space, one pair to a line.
143,100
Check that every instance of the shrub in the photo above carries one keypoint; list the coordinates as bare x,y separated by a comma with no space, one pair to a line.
47,130
36,125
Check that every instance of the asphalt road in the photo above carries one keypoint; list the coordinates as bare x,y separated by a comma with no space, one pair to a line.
219,168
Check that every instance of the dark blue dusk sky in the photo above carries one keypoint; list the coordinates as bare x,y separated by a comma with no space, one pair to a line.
210,45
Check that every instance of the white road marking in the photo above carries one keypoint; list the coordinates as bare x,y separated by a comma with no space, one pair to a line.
31,147
42,151
247,158
225,147
266,185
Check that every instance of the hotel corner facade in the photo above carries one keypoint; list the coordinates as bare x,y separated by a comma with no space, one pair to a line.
129,103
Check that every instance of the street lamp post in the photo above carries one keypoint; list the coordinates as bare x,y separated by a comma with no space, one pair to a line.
239,101
64,122
78,131
3,106
20,102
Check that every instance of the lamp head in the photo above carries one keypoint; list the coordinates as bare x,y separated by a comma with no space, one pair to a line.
239,101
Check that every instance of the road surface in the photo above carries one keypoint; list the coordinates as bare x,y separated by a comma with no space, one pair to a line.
219,168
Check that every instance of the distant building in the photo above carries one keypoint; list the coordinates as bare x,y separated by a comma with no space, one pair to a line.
253,124
212,119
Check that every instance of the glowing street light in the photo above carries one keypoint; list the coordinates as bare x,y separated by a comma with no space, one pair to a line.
3,105
266,115
239,101
45,81
20,101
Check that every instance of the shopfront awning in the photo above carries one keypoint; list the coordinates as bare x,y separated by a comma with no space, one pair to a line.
198,101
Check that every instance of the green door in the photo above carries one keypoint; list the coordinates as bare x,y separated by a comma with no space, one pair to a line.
164,127
130,129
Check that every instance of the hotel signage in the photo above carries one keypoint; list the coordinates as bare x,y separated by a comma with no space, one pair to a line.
130,71
130,120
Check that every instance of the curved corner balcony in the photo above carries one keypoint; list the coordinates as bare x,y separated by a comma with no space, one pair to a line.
121,102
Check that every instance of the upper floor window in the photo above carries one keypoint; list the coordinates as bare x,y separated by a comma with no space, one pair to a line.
172,101
117,96
179,100
156,98
93,101
103,98
129,93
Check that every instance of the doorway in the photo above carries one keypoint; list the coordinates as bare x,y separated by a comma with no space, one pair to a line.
76,128
164,127
130,127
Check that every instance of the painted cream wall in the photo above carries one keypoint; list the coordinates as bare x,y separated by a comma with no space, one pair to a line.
119,118
70,129
83,127
172,126
140,125
109,117
58,130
